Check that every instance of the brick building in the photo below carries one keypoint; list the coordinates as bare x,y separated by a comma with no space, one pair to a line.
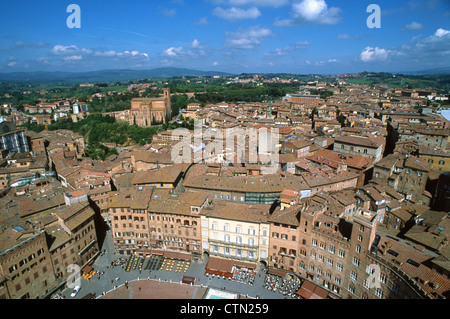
40,238
145,112
371,147
26,269
147,218
406,174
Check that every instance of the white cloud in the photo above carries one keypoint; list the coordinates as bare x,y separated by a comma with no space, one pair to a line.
60,49
311,11
441,32
247,38
194,50
315,11
413,26
127,53
173,51
420,53
109,53
12,61
71,53
370,54
196,44
73,58
236,13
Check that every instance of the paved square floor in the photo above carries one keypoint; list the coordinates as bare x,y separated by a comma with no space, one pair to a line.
147,279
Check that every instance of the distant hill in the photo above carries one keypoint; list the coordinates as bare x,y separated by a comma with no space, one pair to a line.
435,71
103,75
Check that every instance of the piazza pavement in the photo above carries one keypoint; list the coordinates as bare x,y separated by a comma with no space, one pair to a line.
114,282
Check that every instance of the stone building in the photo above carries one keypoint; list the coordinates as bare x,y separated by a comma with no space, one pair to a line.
406,174
39,240
147,218
371,147
145,112
72,237
350,258
26,270
237,231
174,220
129,219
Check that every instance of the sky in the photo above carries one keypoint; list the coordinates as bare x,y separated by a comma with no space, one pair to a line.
236,36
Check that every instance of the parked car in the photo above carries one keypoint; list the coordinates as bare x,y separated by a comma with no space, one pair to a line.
75,291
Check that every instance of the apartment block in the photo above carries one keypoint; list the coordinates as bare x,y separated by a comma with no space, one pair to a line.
360,145
73,237
237,231
129,219
26,269
175,220
40,238
147,218
406,174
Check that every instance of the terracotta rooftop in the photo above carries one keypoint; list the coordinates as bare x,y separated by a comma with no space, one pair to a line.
413,261
76,193
169,174
358,140
253,213
287,216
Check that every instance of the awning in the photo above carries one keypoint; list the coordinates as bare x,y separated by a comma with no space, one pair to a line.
308,290
177,255
87,269
219,273
276,272
173,255
220,267
224,267
188,280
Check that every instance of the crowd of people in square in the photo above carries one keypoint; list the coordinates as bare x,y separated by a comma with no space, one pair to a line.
286,286
244,275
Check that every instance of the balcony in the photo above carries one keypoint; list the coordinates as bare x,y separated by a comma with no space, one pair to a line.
284,253
232,244
234,257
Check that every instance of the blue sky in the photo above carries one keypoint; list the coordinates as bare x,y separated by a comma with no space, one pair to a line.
292,36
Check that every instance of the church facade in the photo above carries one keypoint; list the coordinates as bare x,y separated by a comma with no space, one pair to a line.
145,112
